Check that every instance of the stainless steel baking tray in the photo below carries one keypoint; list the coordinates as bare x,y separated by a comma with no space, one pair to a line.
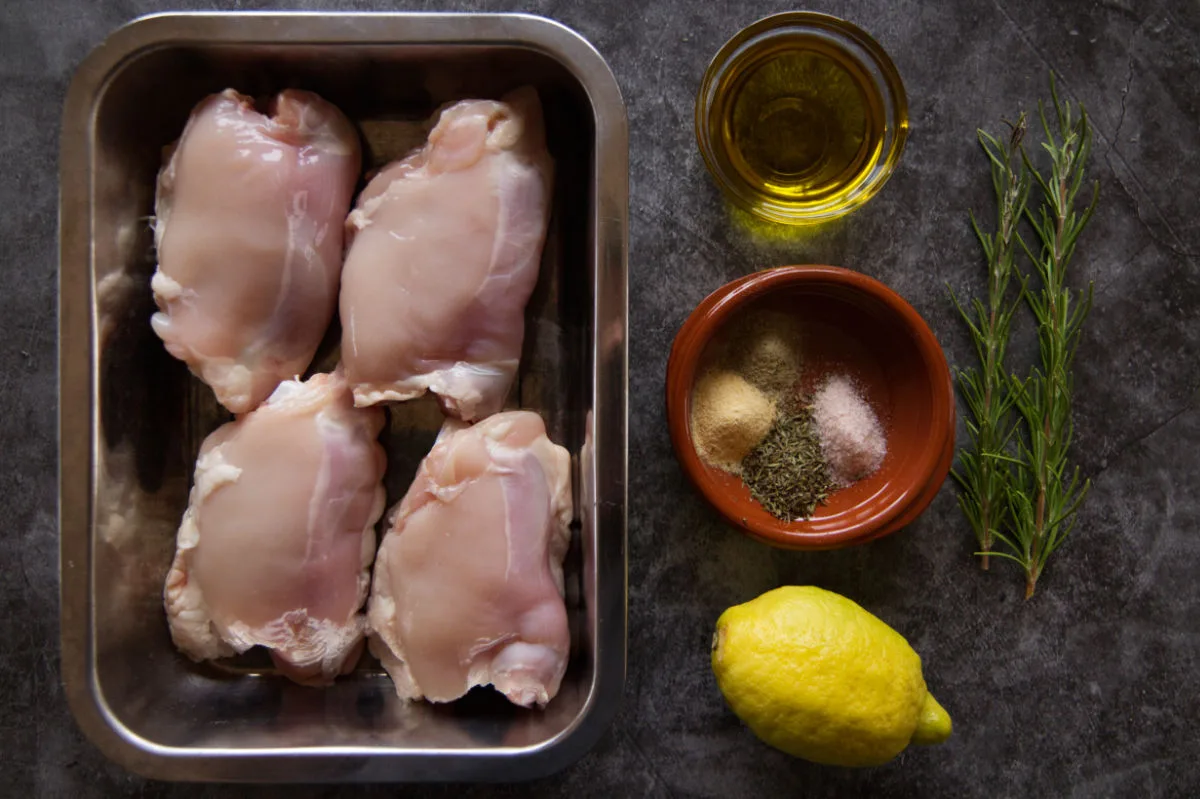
131,418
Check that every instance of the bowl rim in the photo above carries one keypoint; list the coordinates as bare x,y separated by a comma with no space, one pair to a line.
714,310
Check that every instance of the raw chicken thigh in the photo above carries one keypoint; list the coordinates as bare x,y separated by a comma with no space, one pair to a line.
276,545
444,254
468,585
249,227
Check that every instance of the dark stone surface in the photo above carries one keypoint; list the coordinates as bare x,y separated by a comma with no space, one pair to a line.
1091,689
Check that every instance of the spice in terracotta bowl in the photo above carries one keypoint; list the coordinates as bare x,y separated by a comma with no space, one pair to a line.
735,401
729,418
852,440
793,435
787,472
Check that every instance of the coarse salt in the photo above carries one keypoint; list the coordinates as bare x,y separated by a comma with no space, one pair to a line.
852,440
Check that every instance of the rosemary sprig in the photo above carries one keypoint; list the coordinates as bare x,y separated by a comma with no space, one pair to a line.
1046,492
1017,486
984,472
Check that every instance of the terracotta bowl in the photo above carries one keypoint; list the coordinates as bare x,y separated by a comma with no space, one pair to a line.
853,325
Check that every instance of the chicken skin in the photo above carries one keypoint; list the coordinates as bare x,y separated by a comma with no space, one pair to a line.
276,545
445,248
249,225
468,586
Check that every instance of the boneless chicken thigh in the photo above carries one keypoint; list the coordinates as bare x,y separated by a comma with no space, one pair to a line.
444,252
468,586
277,541
249,222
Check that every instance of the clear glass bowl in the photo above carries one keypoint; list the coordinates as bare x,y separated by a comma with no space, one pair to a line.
872,69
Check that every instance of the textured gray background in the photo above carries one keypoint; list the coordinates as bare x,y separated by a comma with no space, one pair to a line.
1091,689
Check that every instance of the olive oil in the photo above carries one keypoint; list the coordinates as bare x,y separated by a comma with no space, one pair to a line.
801,117
800,122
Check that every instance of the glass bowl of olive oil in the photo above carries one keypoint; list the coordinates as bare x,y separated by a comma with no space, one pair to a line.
801,117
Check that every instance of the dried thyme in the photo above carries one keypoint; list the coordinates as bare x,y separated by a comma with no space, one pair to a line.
786,472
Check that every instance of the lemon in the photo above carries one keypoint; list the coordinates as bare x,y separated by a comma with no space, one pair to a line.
815,675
